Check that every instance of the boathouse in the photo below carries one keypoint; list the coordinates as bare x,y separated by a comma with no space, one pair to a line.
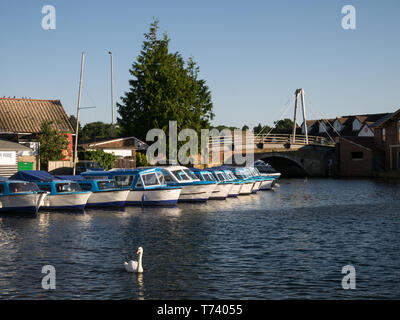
21,119
387,140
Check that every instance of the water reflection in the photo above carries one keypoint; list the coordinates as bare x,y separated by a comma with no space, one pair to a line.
287,243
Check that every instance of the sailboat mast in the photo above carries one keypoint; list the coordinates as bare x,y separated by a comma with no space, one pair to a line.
77,114
112,95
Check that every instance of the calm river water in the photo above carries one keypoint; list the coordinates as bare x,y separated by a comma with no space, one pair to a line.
287,243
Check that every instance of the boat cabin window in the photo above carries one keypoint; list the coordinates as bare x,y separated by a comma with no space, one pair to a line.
190,174
180,175
219,176
198,175
150,179
123,181
167,176
103,185
45,187
86,186
23,187
68,187
160,177
207,177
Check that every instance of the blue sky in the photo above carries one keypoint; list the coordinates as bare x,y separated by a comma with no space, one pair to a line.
253,54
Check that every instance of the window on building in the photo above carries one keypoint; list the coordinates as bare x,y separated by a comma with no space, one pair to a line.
383,134
357,155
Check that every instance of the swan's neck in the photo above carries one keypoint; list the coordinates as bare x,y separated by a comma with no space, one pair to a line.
140,267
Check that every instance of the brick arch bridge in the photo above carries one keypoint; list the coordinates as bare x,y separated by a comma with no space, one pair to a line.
308,160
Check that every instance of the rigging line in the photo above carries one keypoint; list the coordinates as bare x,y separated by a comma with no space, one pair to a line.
324,118
287,104
274,116
319,121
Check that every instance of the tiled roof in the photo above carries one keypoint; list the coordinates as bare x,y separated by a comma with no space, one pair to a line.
366,142
26,115
117,143
384,119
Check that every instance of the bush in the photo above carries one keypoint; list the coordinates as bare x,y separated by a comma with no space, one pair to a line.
104,159
141,160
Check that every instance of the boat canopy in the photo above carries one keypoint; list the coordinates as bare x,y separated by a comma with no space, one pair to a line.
33,176
72,178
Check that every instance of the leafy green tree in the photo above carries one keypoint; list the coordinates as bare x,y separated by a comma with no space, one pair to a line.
72,119
164,88
284,124
245,127
221,127
104,159
96,130
52,143
260,128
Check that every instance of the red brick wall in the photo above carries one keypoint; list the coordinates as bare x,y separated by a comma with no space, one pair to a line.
351,167
391,138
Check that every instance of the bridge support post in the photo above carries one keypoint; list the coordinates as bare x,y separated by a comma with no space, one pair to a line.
304,115
295,116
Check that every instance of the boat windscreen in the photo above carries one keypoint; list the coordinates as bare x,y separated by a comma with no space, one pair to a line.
17,187
180,175
190,174
167,176
208,177
161,177
150,179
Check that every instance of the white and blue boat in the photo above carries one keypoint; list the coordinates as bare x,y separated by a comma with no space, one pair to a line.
62,194
193,189
228,176
20,196
105,192
249,185
266,180
146,186
266,170
223,187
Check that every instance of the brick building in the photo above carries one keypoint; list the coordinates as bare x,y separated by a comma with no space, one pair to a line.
387,140
357,156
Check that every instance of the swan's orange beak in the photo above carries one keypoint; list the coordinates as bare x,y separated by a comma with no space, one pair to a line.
137,252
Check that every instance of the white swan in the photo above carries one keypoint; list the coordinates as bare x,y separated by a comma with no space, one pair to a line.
135,266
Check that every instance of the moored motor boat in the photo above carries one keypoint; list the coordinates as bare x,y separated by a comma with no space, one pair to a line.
146,185
105,192
222,188
62,194
193,189
20,196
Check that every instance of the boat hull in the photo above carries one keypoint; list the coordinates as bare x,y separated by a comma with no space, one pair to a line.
21,203
256,186
66,201
196,192
246,188
234,192
154,197
266,185
221,191
114,198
